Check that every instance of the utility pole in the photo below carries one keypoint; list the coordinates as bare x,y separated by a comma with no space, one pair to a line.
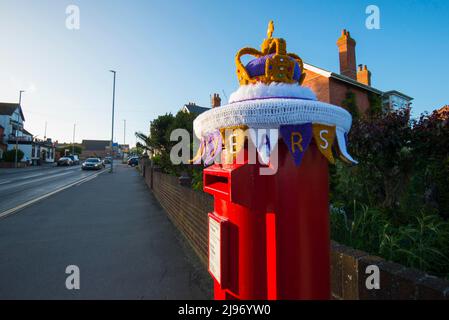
73,139
124,131
17,132
112,134
45,131
124,136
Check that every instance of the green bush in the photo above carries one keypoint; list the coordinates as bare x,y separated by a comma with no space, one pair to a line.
10,155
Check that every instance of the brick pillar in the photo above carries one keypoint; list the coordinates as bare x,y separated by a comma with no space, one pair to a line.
215,100
364,75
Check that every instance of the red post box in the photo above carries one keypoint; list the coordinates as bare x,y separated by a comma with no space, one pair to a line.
269,234
276,243
237,191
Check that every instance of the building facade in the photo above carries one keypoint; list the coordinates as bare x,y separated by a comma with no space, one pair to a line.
13,135
95,148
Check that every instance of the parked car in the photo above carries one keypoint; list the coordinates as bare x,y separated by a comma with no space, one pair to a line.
133,161
75,159
92,164
65,161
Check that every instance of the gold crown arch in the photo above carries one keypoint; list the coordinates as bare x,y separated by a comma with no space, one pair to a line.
278,68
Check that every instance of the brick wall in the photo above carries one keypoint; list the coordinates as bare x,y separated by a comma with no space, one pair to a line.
188,210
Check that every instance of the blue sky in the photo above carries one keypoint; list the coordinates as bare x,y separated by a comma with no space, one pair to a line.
168,53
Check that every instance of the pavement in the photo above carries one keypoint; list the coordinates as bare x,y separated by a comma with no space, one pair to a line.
113,229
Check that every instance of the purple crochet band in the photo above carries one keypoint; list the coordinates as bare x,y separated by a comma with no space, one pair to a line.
256,67
265,98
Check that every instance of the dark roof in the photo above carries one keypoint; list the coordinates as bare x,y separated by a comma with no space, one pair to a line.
93,145
193,108
27,132
7,109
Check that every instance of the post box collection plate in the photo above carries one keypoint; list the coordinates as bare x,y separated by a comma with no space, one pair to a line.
217,251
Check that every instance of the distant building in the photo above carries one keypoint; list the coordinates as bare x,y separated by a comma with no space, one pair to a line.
43,151
13,134
95,148
193,108
123,150
443,112
66,148
333,87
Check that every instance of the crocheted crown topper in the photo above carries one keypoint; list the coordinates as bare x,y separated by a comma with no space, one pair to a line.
272,64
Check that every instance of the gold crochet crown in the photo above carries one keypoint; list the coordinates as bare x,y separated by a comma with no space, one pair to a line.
272,64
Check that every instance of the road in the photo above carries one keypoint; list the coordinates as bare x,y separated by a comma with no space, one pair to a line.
19,186
110,227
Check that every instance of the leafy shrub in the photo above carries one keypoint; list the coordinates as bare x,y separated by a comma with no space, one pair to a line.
10,155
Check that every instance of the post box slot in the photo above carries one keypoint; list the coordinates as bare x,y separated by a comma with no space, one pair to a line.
218,184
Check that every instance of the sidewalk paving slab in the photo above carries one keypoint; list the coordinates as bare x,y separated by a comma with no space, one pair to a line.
114,230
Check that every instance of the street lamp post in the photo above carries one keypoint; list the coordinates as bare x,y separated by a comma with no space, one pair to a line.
18,121
73,140
124,137
112,134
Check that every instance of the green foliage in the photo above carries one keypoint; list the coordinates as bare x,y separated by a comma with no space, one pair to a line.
139,149
78,150
10,155
431,141
158,142
383,147
197,180
375,102
401,180
350,104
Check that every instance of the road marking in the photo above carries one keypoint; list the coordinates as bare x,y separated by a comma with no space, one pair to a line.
4,182
8,212
20,184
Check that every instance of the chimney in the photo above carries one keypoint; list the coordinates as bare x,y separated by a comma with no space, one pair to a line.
364,75
346,49
215,100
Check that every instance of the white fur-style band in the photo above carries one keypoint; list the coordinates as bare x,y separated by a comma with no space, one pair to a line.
271,113
272,90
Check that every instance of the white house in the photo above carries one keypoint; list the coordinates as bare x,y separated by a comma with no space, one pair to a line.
15,136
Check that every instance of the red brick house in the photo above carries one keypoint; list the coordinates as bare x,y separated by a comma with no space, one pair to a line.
332,87
443,112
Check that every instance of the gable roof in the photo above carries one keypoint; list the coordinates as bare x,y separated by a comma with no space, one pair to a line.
27,132
330,74
93,145
7,109
395,92
193,108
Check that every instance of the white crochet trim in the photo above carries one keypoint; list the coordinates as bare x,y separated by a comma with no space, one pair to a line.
270,114
272,90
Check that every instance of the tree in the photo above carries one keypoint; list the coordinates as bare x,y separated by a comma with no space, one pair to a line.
431,144
350,104
383,146
78,150
10,155
158,142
